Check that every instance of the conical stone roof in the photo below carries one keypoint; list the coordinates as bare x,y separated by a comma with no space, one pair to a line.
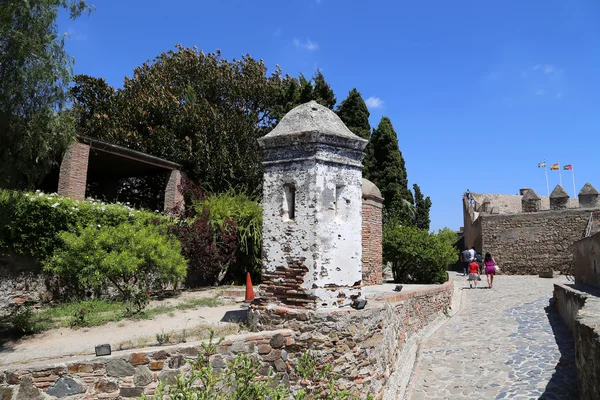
559,193
530,195
312,117
588,190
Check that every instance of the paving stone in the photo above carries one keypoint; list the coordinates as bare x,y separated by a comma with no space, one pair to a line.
504,343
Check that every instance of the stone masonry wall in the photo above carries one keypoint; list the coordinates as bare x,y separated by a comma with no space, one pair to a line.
529,243
73,171
362,346
586,260
20,282
581,312
372,260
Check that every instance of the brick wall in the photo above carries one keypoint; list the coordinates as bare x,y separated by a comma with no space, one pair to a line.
372,261
533,242
173,197
73,171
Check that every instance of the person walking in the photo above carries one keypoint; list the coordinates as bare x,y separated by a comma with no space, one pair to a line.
466,259
490,268
473,274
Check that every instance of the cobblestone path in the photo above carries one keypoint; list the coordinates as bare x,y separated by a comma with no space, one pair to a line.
503,343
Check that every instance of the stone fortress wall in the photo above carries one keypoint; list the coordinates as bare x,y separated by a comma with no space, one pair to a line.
529,234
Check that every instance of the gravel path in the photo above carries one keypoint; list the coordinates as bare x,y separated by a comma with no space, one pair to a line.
503,343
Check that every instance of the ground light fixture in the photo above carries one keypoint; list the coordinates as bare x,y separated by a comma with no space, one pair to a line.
103,350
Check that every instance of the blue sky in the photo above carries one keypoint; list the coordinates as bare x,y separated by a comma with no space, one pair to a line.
478,91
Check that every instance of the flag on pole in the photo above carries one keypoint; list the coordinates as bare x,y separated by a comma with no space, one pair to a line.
568,167
542,164
555,167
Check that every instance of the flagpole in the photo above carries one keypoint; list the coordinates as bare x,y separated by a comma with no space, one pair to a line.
573,175
559,175
546,171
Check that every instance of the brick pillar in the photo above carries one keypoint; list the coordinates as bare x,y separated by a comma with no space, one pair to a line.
73,171
173,197
372,214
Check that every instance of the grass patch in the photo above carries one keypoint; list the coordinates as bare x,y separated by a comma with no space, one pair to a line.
99,312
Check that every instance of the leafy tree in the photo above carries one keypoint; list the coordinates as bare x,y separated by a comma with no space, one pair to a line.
200,110
384,166
422,207
34,73
354,113
416,255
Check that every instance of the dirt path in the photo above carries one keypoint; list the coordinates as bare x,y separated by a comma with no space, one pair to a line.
123,334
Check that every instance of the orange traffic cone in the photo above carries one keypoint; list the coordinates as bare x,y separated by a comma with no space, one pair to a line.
249,289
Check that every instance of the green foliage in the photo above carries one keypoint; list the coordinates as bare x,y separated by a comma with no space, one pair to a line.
306,365
416,255
384,166
246,211
354,113
422,206
194,108
22,320
163,338
133,259
30,222
35,72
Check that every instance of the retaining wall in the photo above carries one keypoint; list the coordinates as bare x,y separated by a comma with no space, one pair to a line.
581,312
364,347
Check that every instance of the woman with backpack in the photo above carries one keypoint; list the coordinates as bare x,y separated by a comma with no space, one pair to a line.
490,268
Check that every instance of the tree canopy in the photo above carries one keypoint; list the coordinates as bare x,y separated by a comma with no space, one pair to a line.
422,207
354,113
34,73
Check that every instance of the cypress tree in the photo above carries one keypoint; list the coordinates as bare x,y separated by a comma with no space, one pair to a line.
422,207
306,90
322,92
354,113
385,165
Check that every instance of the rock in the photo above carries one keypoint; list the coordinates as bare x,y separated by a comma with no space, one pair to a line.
12,379
372,341
176,362
156,365
106,386
66,387
189,351
119,368
217,362
239,347
6,393
131,391
160,355
280,366
139,359
142,376
79,367
264,349
27,391
284,355
277,341
272,356
168,376
546,273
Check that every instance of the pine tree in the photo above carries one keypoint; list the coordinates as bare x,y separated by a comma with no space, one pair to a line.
385,167
322,92
354,113
422,207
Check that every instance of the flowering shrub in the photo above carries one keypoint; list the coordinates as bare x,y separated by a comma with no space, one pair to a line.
30,222
132,259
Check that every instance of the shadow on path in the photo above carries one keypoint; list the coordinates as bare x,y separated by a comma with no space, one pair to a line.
563,384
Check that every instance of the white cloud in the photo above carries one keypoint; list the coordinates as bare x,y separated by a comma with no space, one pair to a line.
540,92
374,102
548,69
308,45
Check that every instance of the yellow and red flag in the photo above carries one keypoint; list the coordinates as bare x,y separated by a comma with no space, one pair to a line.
554,167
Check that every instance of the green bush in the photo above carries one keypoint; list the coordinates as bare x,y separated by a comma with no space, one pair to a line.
416,255
246,212
30,222
133,259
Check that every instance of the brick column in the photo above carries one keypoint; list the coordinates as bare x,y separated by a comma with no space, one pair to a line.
372,259
173,197
73,171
